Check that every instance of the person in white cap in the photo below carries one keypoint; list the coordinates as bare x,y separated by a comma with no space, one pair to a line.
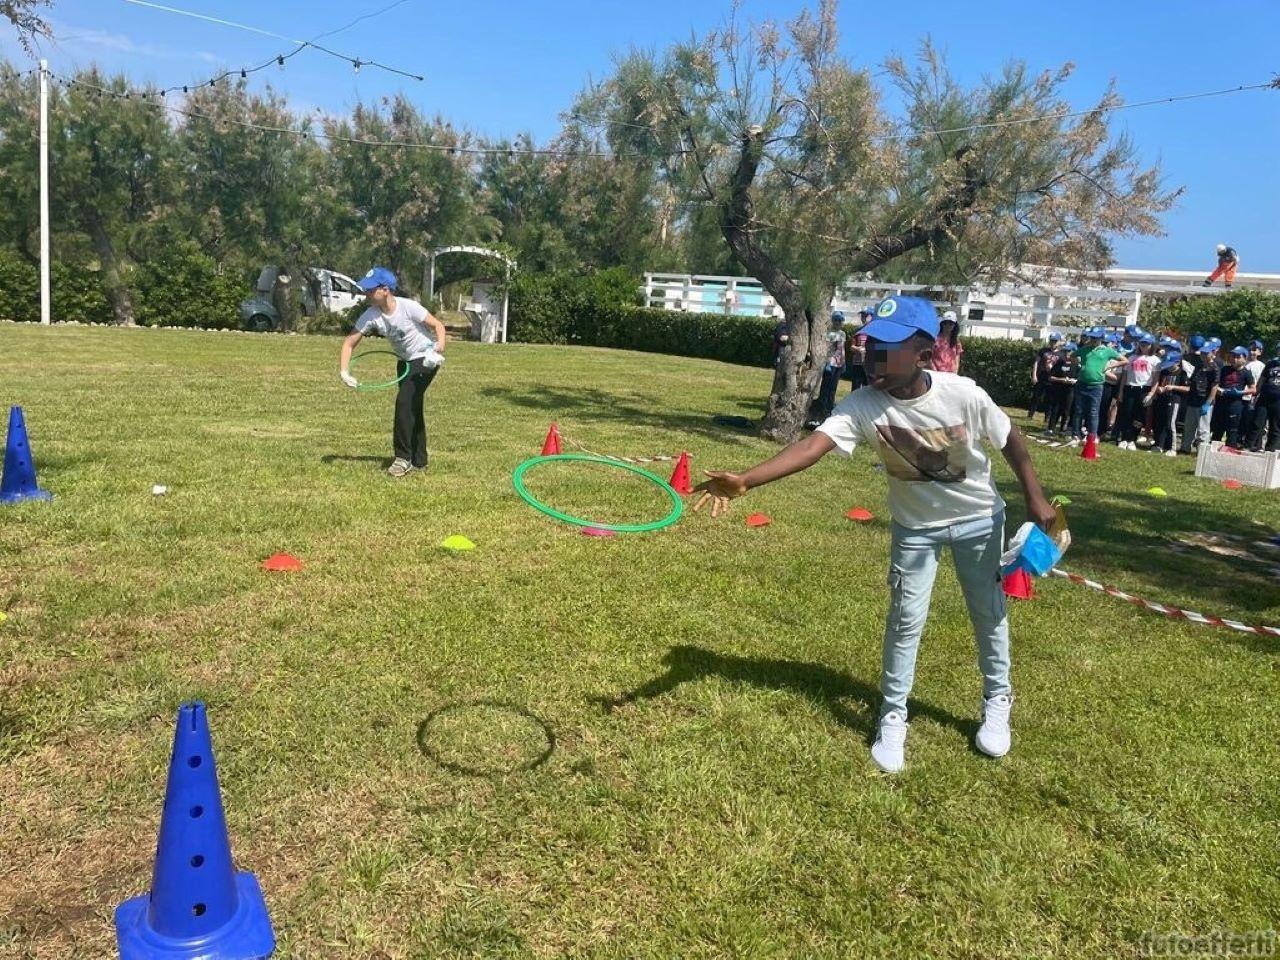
1228,262
948,349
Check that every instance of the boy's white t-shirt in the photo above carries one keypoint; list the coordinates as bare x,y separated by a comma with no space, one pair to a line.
938,471
404,330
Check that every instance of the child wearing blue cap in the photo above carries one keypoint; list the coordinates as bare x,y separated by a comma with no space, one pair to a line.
1234,389
1202,383
1063,376
1096,359
418,339
1139,376
928,428
1165,398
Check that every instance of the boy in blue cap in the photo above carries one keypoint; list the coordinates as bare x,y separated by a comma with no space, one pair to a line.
928,429
1235,387
1062,389
418,339
1202,384
1096,358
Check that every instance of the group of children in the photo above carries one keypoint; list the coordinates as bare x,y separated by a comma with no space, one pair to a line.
1134,387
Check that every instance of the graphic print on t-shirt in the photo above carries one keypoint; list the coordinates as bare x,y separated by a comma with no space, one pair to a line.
936,454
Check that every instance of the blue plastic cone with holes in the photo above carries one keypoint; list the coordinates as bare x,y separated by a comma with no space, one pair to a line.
199,907
19,480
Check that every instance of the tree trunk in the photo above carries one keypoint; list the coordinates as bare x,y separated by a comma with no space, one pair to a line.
118,294
797,375
285,296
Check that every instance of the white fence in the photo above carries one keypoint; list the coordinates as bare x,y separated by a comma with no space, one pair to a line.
1009,311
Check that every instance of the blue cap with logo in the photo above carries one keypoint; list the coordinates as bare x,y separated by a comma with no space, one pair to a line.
1171,360
1070,346
1257,345
1214,342
1055,337
900,318
1239,351
1147,338
1195,342
377,277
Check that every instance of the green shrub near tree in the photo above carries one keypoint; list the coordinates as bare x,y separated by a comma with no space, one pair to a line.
183,288
75,293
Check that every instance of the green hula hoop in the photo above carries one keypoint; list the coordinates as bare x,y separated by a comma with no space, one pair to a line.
677,506
386,383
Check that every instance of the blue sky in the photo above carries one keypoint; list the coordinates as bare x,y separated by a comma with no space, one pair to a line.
502,67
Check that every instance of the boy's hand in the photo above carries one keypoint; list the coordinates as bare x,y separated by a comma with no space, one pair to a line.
719,489
1041,512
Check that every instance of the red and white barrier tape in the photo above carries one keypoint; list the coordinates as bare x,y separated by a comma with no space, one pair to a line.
607,456
1189,615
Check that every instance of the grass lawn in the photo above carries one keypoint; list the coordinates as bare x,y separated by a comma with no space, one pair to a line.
706,693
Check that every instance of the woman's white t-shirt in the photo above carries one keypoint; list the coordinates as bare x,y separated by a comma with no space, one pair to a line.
939,473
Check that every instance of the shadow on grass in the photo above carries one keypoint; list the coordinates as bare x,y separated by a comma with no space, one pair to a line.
343,458
611,407
826,687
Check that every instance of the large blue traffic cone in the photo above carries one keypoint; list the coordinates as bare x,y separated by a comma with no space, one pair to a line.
19,481
199,907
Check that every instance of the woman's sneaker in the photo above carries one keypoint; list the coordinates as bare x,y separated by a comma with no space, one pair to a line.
399,467
887,752
994,736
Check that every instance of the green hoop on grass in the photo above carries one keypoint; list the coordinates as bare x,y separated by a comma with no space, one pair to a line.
677,506
386,383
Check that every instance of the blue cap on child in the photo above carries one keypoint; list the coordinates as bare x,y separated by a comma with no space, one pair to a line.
377,277
900,318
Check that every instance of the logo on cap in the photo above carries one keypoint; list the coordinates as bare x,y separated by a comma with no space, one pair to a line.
887,309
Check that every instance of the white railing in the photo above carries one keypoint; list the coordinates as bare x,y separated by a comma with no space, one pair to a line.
1010,311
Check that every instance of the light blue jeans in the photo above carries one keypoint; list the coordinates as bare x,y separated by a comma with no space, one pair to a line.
976,546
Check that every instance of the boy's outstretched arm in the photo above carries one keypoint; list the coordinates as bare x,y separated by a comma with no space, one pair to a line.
1039,510
722,486
344,360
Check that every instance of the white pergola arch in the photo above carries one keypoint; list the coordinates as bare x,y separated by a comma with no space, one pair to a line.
483,252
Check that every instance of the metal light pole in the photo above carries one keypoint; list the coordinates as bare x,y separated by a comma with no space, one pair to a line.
44,193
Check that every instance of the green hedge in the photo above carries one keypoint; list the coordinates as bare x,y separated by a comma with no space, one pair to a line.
75,293
1238,317
600,310
1001,367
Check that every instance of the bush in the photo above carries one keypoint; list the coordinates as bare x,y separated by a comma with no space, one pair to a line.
1238,317
1001,367
183,288
75,292
19,287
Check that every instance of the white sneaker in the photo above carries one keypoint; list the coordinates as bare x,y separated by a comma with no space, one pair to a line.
399,467
993,736
1075,442
1171,453
887,751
